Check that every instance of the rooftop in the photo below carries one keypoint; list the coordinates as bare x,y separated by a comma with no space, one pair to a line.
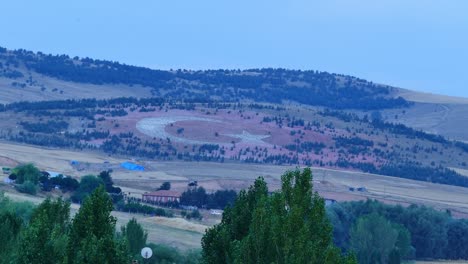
164,193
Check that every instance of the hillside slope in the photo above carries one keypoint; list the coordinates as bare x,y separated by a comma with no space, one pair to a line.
27,76
21,68
272,116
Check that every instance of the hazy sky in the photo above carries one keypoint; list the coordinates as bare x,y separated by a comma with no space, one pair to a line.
416,44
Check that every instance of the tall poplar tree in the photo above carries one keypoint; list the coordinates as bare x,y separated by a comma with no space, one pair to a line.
135,236
92,233
289,226
44,240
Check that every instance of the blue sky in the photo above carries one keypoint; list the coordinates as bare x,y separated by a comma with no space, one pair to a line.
417,44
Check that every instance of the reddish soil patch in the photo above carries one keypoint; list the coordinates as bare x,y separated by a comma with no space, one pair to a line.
241,135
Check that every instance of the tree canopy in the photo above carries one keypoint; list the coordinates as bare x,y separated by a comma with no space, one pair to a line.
27,172
290,226
45,239
91,238
88,184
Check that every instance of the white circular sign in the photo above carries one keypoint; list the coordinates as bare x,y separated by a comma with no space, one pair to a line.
146,252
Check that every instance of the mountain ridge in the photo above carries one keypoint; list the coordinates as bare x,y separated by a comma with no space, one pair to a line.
266,85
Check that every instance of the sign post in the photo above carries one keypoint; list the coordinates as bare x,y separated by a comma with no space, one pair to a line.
146,253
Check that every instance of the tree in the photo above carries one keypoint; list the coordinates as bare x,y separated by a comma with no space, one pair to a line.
289,226
116,192
423,222
135,236
457,235
66,183
194,197
165,186
27,187
376,116
27,172
377,240
88,184
221,198
91,237
372,238
21,209
106,178
45,238
9,232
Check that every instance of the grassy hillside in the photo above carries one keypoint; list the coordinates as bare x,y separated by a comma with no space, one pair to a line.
161,129
433,113
262,85
270,116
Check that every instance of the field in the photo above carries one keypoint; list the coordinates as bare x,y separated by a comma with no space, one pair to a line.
46,88
176,232
332,184
438,114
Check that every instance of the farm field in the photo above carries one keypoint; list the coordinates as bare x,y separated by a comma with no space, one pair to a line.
433,113
332,184
175,232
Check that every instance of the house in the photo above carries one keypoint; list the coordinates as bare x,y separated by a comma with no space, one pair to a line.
50,174
53,174
161,196
216,212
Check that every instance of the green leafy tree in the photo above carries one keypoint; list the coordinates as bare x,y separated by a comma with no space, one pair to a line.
457,235
194,197
135,236
88,184
45,238
91,237
289,226
27,172
106,177
373,238
21,209
10,228
377,240
27,187
165,186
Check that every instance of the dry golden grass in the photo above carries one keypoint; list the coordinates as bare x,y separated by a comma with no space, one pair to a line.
186,235
238,176
423,97
178,223
71,90
176,232
439,114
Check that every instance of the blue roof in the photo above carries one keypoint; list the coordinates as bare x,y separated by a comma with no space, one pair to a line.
132,166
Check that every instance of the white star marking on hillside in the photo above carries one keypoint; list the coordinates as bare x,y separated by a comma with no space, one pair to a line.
246,137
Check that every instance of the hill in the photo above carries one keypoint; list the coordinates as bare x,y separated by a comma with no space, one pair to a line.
28,76
437,114
269,116
265,85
